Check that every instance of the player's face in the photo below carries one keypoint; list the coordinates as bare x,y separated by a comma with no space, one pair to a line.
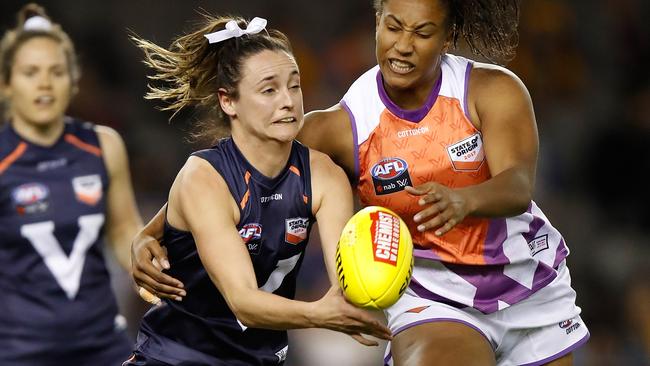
270,99
40,85
411,35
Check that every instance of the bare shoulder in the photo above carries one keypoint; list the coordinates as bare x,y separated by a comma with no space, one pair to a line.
493,87
113,149
487,77
322,165
109,138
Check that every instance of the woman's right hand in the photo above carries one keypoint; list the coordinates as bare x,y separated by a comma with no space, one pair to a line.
334,312
148,259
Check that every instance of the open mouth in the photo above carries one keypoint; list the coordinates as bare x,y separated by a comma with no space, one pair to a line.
286,120
44,100
400,66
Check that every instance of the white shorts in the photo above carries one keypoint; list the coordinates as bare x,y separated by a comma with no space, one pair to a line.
534,331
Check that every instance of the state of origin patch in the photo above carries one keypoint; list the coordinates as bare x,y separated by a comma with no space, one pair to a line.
390,175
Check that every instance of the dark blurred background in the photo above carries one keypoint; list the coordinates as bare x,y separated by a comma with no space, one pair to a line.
585,63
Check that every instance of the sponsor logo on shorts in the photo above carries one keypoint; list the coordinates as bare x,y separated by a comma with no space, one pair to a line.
282,354
30,198
538,244
88,189
296,230
385,237
569,325
251,234
390,175
467,154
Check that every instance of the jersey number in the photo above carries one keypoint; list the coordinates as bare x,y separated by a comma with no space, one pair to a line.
66,269
274,281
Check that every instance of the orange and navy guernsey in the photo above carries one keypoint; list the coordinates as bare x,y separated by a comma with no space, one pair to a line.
489,264
56,302
275,222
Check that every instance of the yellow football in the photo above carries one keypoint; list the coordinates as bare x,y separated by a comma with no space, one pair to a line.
374,258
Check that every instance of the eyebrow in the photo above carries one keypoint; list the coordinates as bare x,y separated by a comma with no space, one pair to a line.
274,76
417,27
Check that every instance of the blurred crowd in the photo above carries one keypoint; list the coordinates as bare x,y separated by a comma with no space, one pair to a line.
585,63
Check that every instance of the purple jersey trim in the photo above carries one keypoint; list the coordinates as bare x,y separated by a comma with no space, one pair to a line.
414,115
388,357
468,71
355,141
560,354
561,253
422,292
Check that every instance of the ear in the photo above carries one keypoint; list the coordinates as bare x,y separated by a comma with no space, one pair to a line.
226,102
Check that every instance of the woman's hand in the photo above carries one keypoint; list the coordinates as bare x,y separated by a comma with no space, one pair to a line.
443,209
148,259
334,312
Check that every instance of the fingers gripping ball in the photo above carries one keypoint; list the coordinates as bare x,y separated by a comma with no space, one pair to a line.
374,258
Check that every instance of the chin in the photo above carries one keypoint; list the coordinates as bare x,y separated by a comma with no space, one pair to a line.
398,81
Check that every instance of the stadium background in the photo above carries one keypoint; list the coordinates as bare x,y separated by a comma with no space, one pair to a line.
585,63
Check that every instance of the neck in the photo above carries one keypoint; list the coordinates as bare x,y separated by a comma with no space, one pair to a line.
44,135
268,157
414,97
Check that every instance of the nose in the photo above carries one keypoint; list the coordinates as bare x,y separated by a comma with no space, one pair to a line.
404,43
286,99
45,80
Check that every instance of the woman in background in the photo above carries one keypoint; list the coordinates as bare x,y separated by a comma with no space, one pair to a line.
64,183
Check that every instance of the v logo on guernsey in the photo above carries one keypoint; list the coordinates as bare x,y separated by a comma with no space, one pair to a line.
65,269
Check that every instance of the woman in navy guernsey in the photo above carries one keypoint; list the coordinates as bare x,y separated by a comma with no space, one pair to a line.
239,214
64,183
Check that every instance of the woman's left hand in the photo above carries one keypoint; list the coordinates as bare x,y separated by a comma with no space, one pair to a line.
444,207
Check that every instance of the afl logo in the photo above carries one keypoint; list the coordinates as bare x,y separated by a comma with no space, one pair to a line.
30,198
389,168
30,193
251,232
390,175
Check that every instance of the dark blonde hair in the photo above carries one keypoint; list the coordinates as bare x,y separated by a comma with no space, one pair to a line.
194,70
14,38
488,26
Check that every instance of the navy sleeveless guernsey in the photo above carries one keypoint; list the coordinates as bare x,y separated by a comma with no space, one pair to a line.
56,302
275,221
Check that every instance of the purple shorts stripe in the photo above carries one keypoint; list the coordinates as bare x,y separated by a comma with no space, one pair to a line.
493,285
493,248
387,358
437,320
563,353
422,292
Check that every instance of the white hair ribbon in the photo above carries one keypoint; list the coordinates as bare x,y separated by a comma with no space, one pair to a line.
37,23
233,30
